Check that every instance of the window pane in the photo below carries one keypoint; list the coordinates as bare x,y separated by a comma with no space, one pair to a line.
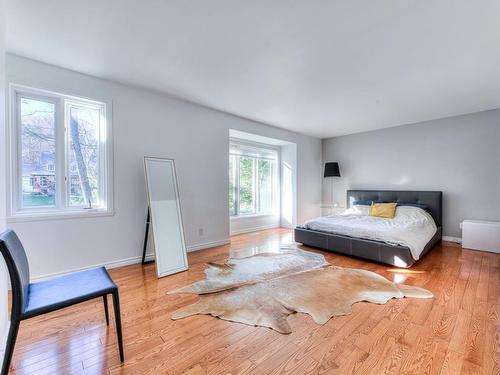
38,153
265,186
246,186
84,156
232,185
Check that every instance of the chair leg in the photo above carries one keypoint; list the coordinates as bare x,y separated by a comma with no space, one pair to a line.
118,322
106,312
9,348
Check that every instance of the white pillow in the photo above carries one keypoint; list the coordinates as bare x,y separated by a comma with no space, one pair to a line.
358,209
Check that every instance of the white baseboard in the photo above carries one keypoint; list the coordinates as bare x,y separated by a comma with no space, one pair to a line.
452,239
132,260
208,245
254,229
108,265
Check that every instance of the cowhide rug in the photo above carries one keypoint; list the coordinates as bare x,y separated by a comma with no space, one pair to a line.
264,289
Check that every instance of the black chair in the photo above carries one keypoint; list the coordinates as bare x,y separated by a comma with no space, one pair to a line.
30,300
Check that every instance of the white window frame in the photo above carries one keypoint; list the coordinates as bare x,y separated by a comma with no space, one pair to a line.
275,175
62,209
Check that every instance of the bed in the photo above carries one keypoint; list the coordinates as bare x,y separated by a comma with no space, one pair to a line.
395,254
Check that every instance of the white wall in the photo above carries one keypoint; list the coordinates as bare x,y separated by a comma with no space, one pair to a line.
252,223
148,123
288,183
3,271
457,155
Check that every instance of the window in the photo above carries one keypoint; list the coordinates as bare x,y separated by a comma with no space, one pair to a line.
253,179
60,153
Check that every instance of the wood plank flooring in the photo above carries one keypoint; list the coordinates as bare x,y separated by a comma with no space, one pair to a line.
457,332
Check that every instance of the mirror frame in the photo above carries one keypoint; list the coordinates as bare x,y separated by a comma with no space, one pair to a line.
179,214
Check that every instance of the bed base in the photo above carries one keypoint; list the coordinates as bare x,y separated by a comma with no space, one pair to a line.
399,256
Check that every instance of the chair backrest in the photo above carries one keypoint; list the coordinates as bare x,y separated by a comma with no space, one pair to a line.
17,264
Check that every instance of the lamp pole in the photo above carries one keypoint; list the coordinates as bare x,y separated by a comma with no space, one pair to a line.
334,204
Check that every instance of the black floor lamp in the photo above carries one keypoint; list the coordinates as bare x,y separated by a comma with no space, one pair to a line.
332,170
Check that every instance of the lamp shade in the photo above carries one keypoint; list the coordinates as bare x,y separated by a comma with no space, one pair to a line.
332,169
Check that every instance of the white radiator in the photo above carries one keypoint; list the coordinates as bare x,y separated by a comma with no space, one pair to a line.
481,235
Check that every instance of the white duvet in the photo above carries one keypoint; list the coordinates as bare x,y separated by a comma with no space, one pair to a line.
412,226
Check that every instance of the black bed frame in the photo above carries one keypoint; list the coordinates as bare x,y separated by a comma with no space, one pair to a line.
399,256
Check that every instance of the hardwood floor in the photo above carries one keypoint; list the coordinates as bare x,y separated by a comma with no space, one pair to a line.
456,332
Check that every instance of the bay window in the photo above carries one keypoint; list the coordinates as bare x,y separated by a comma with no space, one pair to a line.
253,179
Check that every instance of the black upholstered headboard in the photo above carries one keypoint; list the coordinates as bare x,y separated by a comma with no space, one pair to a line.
432,199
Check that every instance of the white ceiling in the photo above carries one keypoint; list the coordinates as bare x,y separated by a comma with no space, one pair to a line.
323,68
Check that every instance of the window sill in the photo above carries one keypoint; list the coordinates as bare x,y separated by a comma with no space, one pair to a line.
249,216
58,215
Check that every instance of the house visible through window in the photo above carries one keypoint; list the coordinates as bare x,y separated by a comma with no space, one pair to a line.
253,179
59,153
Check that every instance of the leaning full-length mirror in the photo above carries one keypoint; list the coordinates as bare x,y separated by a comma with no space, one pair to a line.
166,219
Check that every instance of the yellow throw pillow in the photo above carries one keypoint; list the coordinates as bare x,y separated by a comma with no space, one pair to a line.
387,210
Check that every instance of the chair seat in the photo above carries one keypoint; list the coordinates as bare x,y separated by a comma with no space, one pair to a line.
67,290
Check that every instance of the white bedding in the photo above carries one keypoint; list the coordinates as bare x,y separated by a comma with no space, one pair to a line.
412,226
